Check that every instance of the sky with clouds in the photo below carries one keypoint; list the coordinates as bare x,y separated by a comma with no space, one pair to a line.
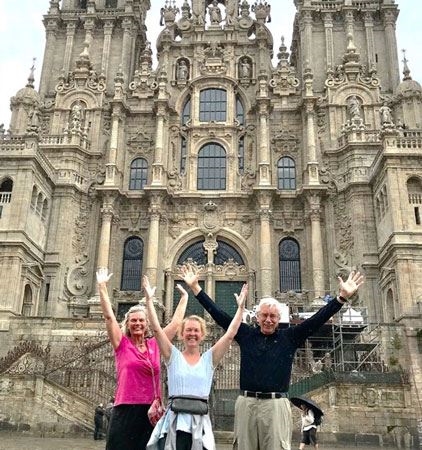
22,38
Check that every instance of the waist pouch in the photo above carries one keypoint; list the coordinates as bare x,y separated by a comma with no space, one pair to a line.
189,404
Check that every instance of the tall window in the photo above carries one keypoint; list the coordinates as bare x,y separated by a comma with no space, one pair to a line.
111,4
212,167
138,174
240,111
133,254
212,105
183,155
289,261
286,173
6,188
186,112
241,154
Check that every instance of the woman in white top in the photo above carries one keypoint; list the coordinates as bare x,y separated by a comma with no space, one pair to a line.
189,374
308,428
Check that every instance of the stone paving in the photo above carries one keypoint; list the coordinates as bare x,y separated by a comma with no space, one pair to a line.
19,442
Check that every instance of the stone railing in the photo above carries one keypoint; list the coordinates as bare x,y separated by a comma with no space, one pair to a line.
5,197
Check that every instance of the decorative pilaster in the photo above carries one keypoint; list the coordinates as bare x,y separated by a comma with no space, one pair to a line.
305,23
318,275
265,246
151,263
108,30
329,43
127,26
70,35
50,45
264,157
111,169
107,213
391,47
370,43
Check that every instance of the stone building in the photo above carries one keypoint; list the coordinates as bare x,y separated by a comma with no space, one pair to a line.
282,176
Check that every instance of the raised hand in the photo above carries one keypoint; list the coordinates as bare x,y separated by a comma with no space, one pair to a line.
102,275
241,298
189,275
182,290
350,286
149,291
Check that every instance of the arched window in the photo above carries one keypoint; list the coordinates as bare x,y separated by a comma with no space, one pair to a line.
224,289
6,188
286,173
111,4
44,211
389,313
212,105
39,203
34,197
241,154
27,301
414,192
183,155
212,167
240,111
186,112
133,254
195,252
138,174
289,260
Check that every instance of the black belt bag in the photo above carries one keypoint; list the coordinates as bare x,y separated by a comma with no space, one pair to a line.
189,404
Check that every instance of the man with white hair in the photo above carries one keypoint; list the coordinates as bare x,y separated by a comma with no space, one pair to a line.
263,418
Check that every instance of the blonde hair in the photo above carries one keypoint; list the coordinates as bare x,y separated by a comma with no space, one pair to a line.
199,319
132,309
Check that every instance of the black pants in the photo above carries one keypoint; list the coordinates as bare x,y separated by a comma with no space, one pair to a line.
183,441
129,428
98,428
309,437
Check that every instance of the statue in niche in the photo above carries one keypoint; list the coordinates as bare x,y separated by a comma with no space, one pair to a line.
76,117
354,108
245,68
182,70
215,13
386,117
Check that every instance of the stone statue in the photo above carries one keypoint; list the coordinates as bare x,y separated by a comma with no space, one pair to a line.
244,68
182,70
354,108
215,13
385,113
76,117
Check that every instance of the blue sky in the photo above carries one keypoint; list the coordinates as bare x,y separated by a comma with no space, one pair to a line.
22,37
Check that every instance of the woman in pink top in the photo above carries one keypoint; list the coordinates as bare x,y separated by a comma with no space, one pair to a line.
138,369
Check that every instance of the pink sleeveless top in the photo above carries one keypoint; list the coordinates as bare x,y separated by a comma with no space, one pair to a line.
135,370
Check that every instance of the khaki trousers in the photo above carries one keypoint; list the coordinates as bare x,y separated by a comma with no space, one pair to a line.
262,424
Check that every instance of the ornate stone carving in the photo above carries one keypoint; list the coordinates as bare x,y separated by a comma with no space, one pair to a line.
76,280
141,142
285,141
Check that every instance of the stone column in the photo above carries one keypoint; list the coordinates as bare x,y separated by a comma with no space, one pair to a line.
312,164
104,246
318,274
263,144
159,144
114,139
50,44
305,23
370,43
108,30
391,47
151,262
70,34
349,22
265,246
126,47
329,43
169,296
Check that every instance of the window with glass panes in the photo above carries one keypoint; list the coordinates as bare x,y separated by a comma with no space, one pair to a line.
212,167
212,105
132,264
289,261
138,174
193,307
286,172
224,295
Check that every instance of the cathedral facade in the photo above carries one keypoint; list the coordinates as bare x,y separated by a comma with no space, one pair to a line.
281,175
